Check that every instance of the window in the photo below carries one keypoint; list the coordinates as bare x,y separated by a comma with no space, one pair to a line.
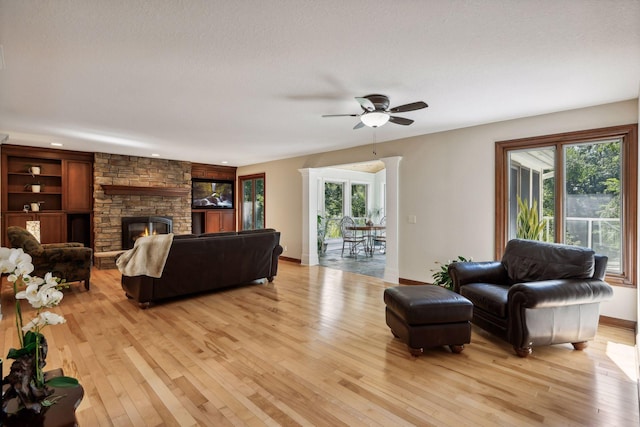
334,199
252,207
359,200
583,186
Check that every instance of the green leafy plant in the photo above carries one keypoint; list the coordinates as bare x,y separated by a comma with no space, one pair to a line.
528,225
441,275
322,233
374,215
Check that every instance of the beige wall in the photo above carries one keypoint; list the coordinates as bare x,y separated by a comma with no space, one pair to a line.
447,182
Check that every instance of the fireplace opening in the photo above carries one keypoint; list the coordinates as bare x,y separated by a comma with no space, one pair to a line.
134,227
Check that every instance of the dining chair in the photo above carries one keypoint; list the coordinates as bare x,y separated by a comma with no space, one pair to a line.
350,237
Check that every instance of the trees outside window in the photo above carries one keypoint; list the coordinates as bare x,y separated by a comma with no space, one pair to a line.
334,199
583,186
359,200
593,198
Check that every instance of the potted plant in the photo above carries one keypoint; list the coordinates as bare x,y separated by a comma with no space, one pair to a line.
33,169
373,216
36,187
27,385
529,226
322,233
441,276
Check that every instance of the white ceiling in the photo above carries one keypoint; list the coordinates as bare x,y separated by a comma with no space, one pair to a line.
247,81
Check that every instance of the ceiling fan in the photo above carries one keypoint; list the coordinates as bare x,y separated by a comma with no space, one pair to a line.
376,111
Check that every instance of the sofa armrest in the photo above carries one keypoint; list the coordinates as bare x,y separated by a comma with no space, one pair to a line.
555,293
600,270
277,251
139,288
463,273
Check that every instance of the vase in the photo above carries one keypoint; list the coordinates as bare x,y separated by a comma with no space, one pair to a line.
35,188
34,170
23,382
60,414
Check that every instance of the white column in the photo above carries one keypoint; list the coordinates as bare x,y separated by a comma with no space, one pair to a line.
309,216
392,167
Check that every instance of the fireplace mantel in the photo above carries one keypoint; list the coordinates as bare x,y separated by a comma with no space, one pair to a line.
131,190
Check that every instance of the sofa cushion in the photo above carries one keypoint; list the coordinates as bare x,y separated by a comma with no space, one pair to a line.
488,297
529,260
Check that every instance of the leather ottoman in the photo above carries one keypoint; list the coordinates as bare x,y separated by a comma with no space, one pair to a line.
425,316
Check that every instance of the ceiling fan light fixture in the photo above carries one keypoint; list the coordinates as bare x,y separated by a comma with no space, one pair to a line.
374,119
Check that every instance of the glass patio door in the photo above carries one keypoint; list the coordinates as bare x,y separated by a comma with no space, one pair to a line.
252,207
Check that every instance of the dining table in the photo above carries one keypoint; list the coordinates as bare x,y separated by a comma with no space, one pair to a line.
369,233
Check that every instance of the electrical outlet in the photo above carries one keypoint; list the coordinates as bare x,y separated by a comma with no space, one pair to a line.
412,219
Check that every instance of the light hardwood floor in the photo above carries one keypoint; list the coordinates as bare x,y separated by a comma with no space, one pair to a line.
312,348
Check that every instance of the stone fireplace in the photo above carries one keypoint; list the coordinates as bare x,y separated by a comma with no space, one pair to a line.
138,173
134,227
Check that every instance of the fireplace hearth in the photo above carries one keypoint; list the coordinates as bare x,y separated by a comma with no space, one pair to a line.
134,227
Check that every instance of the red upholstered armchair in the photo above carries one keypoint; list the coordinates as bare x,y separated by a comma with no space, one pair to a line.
539,294
69,261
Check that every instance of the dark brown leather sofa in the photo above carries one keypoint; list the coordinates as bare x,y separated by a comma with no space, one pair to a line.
539,294
210,261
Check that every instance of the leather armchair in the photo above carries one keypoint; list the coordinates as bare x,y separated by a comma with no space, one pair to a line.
68,261
539,294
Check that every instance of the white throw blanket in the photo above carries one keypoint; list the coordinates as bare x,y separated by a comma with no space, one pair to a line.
147,257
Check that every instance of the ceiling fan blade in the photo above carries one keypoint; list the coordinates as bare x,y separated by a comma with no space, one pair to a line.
340,115
409,107
358,125
400,120
366,104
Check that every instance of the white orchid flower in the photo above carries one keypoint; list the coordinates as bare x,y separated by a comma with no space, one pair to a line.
49,278
5,253
38,296
7,266
43,319
24,267
34,325
30,293
51,297
32,280
52,318
17,262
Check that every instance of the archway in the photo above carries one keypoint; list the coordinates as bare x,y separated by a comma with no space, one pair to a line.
310,209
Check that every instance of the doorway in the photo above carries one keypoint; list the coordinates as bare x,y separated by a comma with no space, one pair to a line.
310,188
355,192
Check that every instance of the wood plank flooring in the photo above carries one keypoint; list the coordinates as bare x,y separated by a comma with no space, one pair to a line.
312,348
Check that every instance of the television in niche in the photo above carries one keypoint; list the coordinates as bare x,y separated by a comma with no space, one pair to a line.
211,194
